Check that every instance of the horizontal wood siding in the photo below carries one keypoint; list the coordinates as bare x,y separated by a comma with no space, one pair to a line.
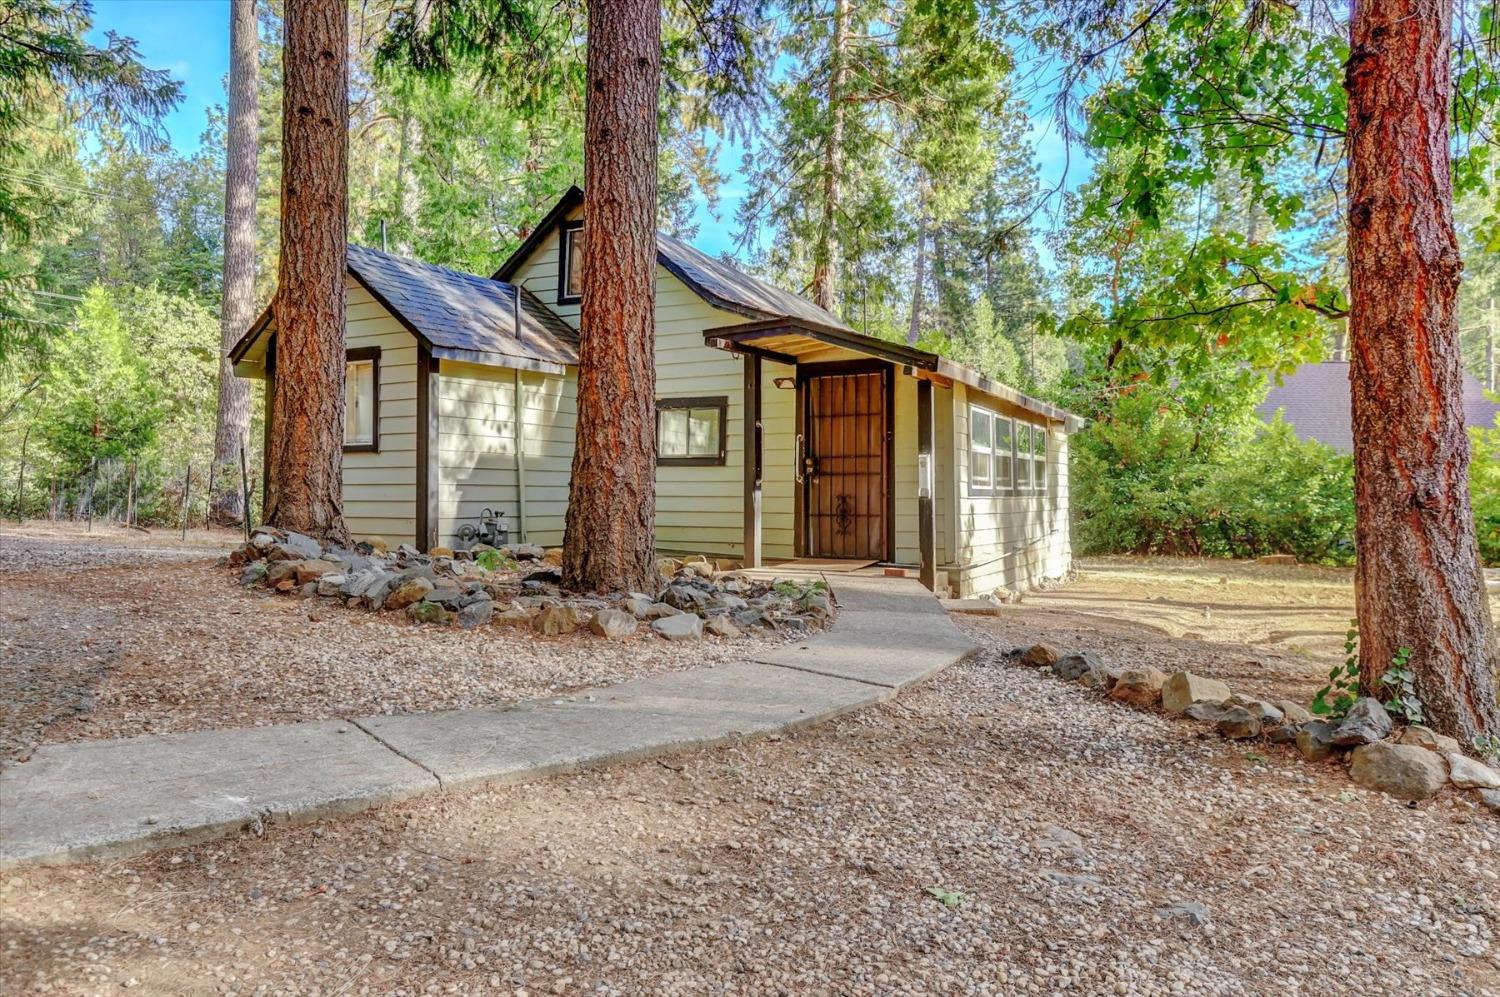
778,419
477,466
380,488
699,509
1009,541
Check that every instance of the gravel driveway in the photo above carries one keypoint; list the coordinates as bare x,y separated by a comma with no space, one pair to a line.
1075,845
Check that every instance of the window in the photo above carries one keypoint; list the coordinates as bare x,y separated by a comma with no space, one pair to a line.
362,400
991,452
691,431
1039,457
981,449
570,256
1023,450
1004,430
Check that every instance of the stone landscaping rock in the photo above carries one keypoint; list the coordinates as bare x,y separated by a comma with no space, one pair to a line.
720,626
311,571
1263,711
1491,799
426,612
514,616
305,547
1239,724
1466,773
1366,722
1285,734
1191,911
613,624
406,593
331,584
1211,712
1184,689
254,574
682,626
1294,712
1139,686
1075,665
1039,655
556,620
280,571
1102,678
659,610
1426,737
1315,740
1404,771
476,614
637,606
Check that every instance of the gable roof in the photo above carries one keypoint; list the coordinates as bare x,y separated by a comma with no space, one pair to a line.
716,282
1314,400
459,316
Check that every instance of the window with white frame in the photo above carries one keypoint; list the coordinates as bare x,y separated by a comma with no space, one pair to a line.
1039,458
1023,452
362,399
981,450
1004,453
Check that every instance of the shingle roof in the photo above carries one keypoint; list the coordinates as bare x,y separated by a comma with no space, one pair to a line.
735,290
1314,400
718,283
463,312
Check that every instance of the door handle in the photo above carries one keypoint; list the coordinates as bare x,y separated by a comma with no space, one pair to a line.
800,456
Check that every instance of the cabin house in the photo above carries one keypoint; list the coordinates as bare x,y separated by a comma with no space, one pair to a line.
782,433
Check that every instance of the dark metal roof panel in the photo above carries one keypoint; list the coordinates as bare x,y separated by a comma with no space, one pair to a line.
734,290
464,311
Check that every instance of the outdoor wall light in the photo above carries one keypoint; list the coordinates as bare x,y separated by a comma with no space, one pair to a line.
786,382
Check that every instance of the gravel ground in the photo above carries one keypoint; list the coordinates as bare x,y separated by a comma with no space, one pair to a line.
119,635
1070,836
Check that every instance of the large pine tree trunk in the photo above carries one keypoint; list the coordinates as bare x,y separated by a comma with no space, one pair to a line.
232,427
919,277
307,426
610,541
825,251
1418,581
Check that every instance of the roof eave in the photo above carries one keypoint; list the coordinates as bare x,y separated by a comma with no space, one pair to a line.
571,198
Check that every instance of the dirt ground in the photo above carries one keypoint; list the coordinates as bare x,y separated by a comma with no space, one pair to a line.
994,831
118,633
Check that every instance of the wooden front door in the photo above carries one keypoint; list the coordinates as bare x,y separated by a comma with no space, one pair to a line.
845,461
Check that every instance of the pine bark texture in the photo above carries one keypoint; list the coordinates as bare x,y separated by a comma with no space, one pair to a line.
307,428
825,252
1418,583
232,425
609,544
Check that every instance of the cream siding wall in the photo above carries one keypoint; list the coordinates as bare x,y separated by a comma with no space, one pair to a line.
477,465
778,479
1011,541
698,509
380,488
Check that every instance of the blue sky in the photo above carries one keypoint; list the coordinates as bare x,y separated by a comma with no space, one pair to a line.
190,38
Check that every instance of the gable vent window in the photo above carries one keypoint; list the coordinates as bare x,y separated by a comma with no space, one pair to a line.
570,276
362,400
691,431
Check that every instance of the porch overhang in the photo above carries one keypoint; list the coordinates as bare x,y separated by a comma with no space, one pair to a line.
786,339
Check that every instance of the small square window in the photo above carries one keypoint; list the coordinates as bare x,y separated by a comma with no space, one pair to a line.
362,400
690,430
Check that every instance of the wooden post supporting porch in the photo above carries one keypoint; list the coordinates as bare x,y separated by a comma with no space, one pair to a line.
752,458
926,477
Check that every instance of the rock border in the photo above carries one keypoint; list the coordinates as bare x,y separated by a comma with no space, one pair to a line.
1411,764
519,585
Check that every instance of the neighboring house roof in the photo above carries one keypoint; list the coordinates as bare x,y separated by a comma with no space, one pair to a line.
1314,400
459,316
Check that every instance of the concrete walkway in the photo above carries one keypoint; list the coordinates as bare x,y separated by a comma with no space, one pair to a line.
108,799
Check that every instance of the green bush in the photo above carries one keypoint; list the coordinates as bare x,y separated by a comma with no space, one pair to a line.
1148,479
1484,487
